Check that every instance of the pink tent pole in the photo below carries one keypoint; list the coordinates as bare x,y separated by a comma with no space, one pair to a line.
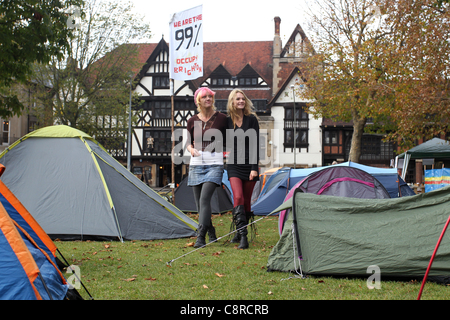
432,258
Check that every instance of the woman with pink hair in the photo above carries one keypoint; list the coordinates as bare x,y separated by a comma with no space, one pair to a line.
205,144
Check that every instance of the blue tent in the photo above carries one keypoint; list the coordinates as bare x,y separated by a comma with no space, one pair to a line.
271,199
28,268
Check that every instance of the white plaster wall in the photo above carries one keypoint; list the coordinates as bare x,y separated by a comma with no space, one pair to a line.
305,157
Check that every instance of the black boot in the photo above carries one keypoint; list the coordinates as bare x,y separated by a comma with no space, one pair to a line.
201,233
212,233
243,244
234,223
236,238
241,226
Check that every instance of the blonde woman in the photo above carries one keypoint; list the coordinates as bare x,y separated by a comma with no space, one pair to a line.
206,138
242,164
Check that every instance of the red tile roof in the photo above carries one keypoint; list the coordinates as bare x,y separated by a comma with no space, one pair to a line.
233,56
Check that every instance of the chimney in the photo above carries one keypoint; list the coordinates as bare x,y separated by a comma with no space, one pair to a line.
276,55
277,26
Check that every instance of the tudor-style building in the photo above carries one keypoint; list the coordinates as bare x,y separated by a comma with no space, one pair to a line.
269,73
227,65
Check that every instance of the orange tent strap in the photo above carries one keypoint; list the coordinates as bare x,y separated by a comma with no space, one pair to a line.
43,252
19,247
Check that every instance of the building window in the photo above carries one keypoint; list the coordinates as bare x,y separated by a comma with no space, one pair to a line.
220,82
163,110
247,82
221,105
301,125
5,130
157,141
374,148
260,105
301,141
161,82
331,137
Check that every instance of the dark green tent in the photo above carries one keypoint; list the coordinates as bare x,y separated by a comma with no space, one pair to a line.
340,236
434,148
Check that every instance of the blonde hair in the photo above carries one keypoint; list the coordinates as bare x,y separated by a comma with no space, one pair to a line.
231,108
201,92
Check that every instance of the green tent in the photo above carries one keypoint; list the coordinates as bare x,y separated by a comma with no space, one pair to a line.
337,236
434,148
76,190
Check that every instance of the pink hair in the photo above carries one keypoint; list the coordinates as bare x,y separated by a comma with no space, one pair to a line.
201,92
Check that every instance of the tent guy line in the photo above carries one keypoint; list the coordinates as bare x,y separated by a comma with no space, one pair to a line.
228,234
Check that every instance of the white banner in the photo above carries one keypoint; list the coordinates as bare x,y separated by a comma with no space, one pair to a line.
186,44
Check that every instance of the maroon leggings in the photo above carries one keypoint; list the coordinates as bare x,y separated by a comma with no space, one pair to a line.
242,192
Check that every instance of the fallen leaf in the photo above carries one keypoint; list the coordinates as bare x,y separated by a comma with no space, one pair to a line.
129,279
270,293
217,253
150,279
190,244
107,246
205,286
219,275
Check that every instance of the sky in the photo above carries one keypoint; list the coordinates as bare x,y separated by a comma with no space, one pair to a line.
229,20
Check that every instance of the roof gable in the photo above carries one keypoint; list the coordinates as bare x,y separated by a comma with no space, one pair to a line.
248,71
295,70
297,44
220,71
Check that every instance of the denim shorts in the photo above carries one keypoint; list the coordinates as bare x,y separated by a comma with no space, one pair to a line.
201,174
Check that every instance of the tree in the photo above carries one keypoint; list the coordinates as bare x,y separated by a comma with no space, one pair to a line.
347,71
90,88
386,60
30,31
420,77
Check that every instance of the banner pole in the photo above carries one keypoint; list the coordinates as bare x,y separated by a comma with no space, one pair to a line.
173,140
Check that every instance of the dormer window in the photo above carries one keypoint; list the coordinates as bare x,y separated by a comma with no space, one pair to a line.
250,81
220,77
248,77
220,81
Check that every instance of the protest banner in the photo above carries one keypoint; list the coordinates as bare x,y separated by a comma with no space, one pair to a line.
186,44
185,57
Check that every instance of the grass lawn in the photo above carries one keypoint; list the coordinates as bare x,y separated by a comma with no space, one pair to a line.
138,270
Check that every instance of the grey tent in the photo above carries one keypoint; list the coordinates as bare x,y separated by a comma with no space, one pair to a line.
220,202
76,190
342,236
434,148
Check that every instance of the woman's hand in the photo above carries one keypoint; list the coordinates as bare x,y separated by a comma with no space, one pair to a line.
194,152
253,174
